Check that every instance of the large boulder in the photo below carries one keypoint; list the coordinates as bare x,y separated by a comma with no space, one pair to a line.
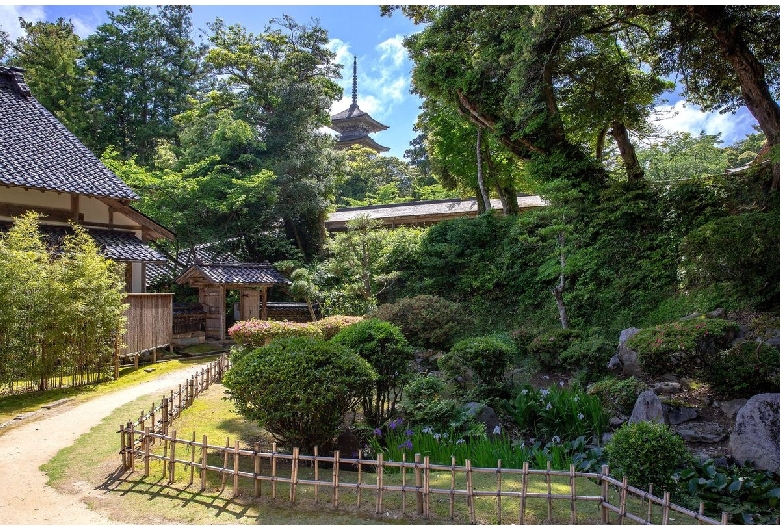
484,415
756,434
628,358
648,407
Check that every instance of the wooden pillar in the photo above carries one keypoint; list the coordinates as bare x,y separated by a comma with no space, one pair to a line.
264,312
222,313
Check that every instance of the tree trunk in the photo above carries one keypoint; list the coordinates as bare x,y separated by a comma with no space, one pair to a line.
749,70
480,175
634,170
557,291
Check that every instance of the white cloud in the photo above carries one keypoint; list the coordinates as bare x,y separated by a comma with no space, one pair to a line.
393,51
687,117
9,18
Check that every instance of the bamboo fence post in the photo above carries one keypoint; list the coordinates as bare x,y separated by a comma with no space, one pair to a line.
192,459
164,416
427,485
573,487
604,495
164,458
498,490
360,477
549,493
623,499
523,493
335,479
403,483
418,482
123,446
470,490
178,413
171,409
724,518
316,475
650,504
701,512
294,474
257,481
224,463
151,419
452,488
172,478
235,469
131,445
142,420
205,463
273,470
146,451
665,516
380,471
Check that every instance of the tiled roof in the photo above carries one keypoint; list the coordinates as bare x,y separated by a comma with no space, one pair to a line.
37,151
236,273
115,245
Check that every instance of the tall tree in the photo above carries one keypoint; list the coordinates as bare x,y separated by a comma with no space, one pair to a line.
5,44
50,53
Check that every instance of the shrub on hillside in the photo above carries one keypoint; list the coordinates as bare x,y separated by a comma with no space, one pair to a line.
383,345
547,347
299,389
647,453
618,395
588,357
426,321
426,404
683,348
747,369
476,366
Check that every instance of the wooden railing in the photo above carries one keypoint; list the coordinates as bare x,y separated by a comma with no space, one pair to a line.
149,322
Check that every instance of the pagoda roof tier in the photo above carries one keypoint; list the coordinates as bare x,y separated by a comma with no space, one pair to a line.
354,117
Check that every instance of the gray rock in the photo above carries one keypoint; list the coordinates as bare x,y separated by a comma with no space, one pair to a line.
627,357
679,414
691,316
648,408
701,432
666,387
732,407
616,421
717,313
774,341
483,414
614,363
756,435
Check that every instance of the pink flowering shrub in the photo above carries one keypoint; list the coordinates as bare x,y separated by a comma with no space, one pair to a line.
254,333
331,325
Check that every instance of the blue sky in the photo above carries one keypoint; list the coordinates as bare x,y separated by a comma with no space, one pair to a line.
384,69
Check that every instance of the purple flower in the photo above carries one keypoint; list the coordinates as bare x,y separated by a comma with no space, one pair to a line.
396,423
378,432
408,432
406,445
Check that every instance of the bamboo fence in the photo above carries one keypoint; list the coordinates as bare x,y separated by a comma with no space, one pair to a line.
149,323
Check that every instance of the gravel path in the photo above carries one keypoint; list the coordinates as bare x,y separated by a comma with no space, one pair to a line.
24,496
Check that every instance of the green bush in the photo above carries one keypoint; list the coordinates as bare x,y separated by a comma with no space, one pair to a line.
548,347
299,389
425,404
330,326
254,332
588,357
647,453
747,369
740,250
383,345
477,365
682,348
426,321
618,395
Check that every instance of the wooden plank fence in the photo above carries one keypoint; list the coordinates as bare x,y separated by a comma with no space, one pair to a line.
151,439
149,325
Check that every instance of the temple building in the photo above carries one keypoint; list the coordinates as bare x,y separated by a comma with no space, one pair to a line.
354,125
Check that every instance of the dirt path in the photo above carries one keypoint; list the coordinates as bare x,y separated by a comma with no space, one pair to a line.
24,496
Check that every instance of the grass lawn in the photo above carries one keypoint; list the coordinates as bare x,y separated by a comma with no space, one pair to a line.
131,498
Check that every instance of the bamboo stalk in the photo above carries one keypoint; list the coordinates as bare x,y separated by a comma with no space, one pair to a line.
192,458
380,470
123,446
273,470
604,495
452,488
418,482
573,488
257,481
360,478
335,479
146,451
549,493
623,496
665,516
131,443
235,468
427,485
172,478
205,458
650,505
224,463
316,475
403,483
524,493
470,490
294,474
498,490
701,512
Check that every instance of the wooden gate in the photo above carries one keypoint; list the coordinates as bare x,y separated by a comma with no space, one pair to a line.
213,300
250,304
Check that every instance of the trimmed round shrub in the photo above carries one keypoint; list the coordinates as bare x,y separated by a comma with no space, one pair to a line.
747,369
426,405
330,326
383,345
682,348
548,347
618,396
588,357
477,365
299,389
426,321
254,332
647,453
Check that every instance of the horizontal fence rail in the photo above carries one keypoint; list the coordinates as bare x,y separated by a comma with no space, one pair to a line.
150,442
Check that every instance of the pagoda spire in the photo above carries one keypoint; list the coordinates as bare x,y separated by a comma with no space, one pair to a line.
354,83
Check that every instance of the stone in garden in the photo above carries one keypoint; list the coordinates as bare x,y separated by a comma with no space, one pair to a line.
717,313
628,357
484,415
679,414
756,434
666,387
730,408
701,432
648,408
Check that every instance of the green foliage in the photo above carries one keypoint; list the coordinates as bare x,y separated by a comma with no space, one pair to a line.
738,250
588,357
547,348
426,321
684,348
60,316
747,369
618,396
748,495
557,413
332,325
477,365
384,347
425,403
647,453
254,332
299,389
